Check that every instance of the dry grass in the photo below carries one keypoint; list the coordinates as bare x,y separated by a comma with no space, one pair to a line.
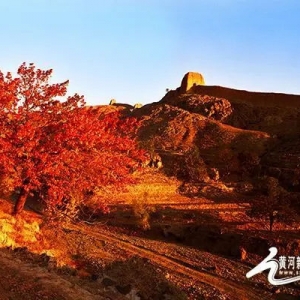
17,231
159,188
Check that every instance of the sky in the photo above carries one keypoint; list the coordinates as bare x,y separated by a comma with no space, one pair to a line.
132,50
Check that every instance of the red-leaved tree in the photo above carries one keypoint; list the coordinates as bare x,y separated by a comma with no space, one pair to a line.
53,147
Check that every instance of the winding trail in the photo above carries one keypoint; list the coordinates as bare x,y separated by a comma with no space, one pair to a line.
177,265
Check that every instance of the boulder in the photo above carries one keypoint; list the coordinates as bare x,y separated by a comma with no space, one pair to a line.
190,80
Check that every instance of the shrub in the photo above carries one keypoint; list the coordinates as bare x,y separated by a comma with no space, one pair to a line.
142,211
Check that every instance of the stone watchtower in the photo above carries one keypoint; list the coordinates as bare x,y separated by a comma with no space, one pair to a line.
189,80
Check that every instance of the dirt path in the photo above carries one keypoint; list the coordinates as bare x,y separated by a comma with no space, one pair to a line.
177,265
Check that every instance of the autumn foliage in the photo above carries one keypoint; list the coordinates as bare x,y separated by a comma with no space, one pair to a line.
52,145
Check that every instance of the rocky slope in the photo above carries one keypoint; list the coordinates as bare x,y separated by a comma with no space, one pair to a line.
231,129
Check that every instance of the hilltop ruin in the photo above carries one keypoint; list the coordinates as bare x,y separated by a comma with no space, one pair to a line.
190,80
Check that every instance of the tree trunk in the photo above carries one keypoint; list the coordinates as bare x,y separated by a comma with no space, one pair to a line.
21,200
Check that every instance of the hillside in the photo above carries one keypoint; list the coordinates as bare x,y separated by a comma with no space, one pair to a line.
227,127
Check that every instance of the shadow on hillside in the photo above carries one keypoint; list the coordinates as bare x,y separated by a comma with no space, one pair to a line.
217,192
139,274
200,230
135,277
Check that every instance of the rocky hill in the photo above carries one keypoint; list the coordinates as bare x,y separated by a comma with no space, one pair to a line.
232,130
